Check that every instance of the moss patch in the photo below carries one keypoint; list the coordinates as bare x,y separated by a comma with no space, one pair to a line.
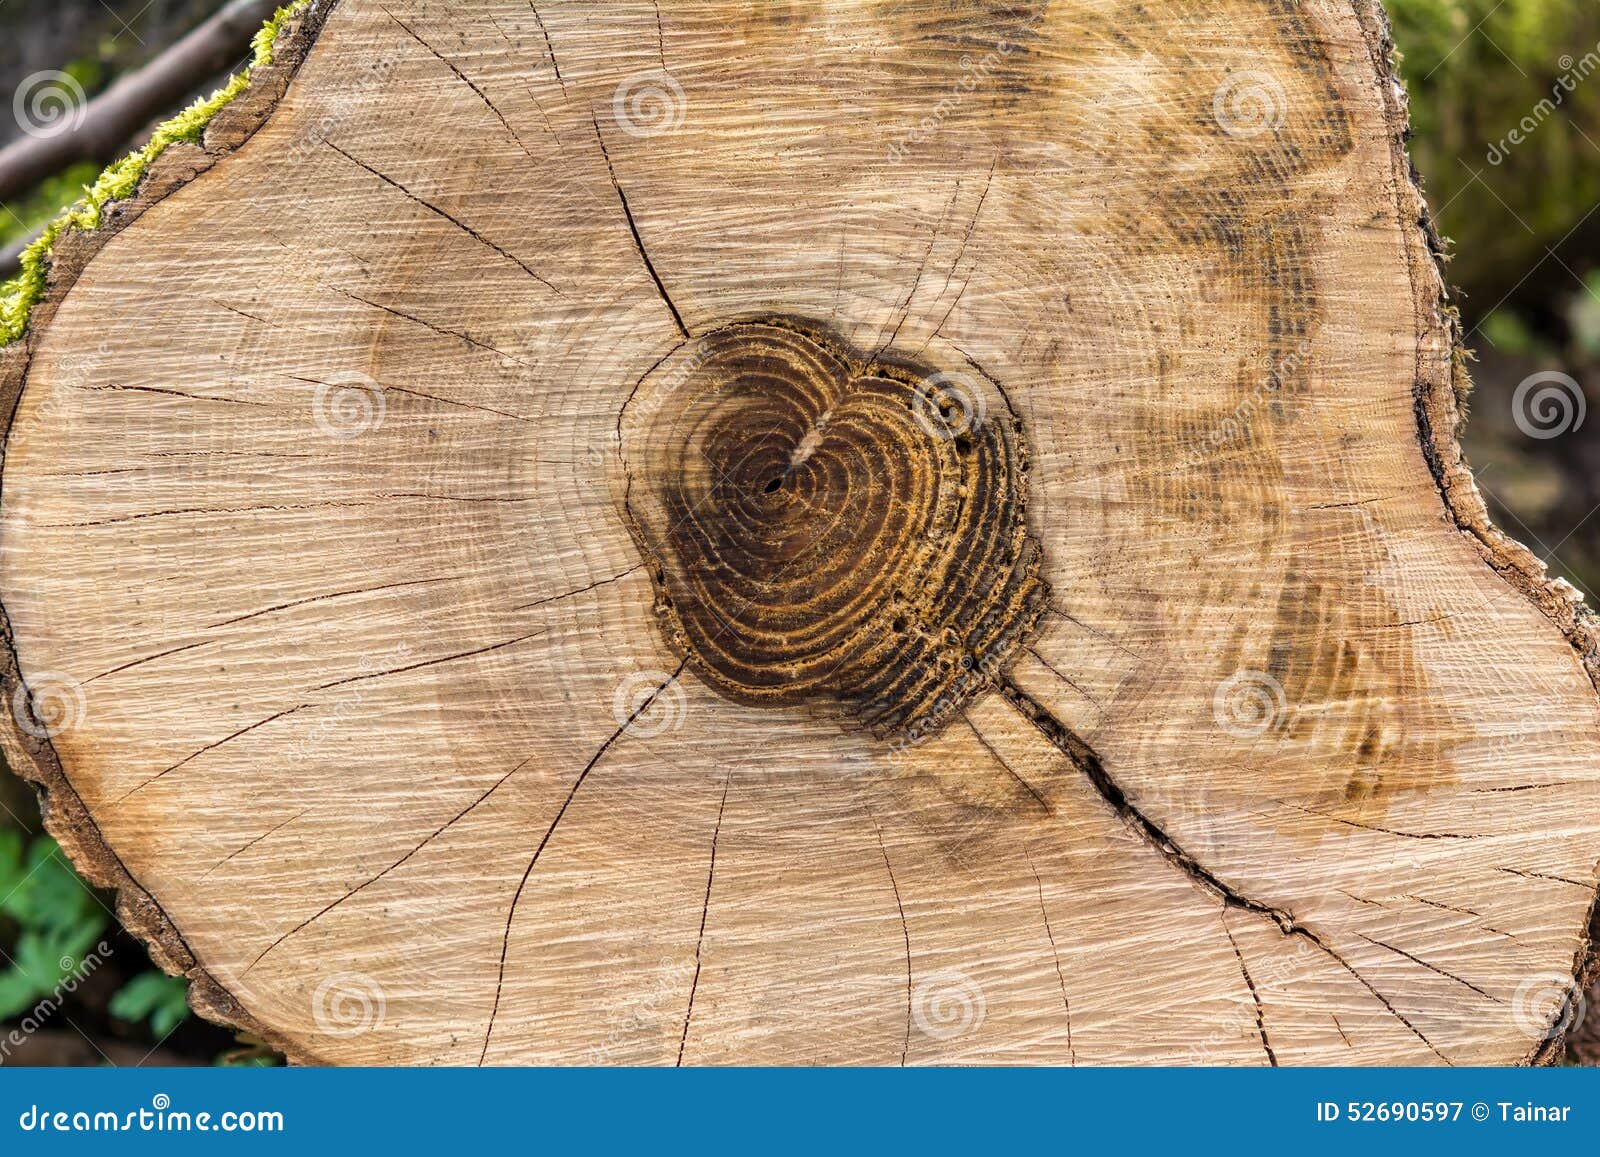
39,206
19,295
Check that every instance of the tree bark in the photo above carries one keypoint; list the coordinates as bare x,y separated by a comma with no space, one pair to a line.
855,533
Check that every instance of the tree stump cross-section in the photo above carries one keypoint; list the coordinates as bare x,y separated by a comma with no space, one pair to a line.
880,532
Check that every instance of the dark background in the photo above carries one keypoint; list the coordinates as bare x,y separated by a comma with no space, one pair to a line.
1525,229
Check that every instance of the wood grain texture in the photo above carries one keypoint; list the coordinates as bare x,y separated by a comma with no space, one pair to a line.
375,493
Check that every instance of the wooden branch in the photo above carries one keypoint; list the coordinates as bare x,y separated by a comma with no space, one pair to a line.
935,534
102,129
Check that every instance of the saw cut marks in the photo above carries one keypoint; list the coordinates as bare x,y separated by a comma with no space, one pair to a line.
884,532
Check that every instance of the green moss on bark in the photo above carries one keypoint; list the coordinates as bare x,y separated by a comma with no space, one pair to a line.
19,295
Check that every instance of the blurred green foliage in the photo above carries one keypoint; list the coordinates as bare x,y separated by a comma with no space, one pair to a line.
52,937
155,997
1476,69
28,214
55,920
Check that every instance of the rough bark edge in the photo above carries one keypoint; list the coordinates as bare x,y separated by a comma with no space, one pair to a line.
1441,386
1443,383
121,180
220,125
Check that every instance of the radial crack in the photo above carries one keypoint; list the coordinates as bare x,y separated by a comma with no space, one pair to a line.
1055,954
1084,758
438,329
466,80
210,747
445,215
1051,667
462,405
511,913
1431,967
638,241
330,595
132,663
1000,759
1375,828
905,932
434,662
904,309
598,583
274,830
1244,970
439,831
705,912
548,46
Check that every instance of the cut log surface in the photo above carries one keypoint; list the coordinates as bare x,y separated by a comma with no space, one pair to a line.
869,532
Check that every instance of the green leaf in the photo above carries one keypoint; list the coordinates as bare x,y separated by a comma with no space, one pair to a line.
43,892
155,996
41,962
